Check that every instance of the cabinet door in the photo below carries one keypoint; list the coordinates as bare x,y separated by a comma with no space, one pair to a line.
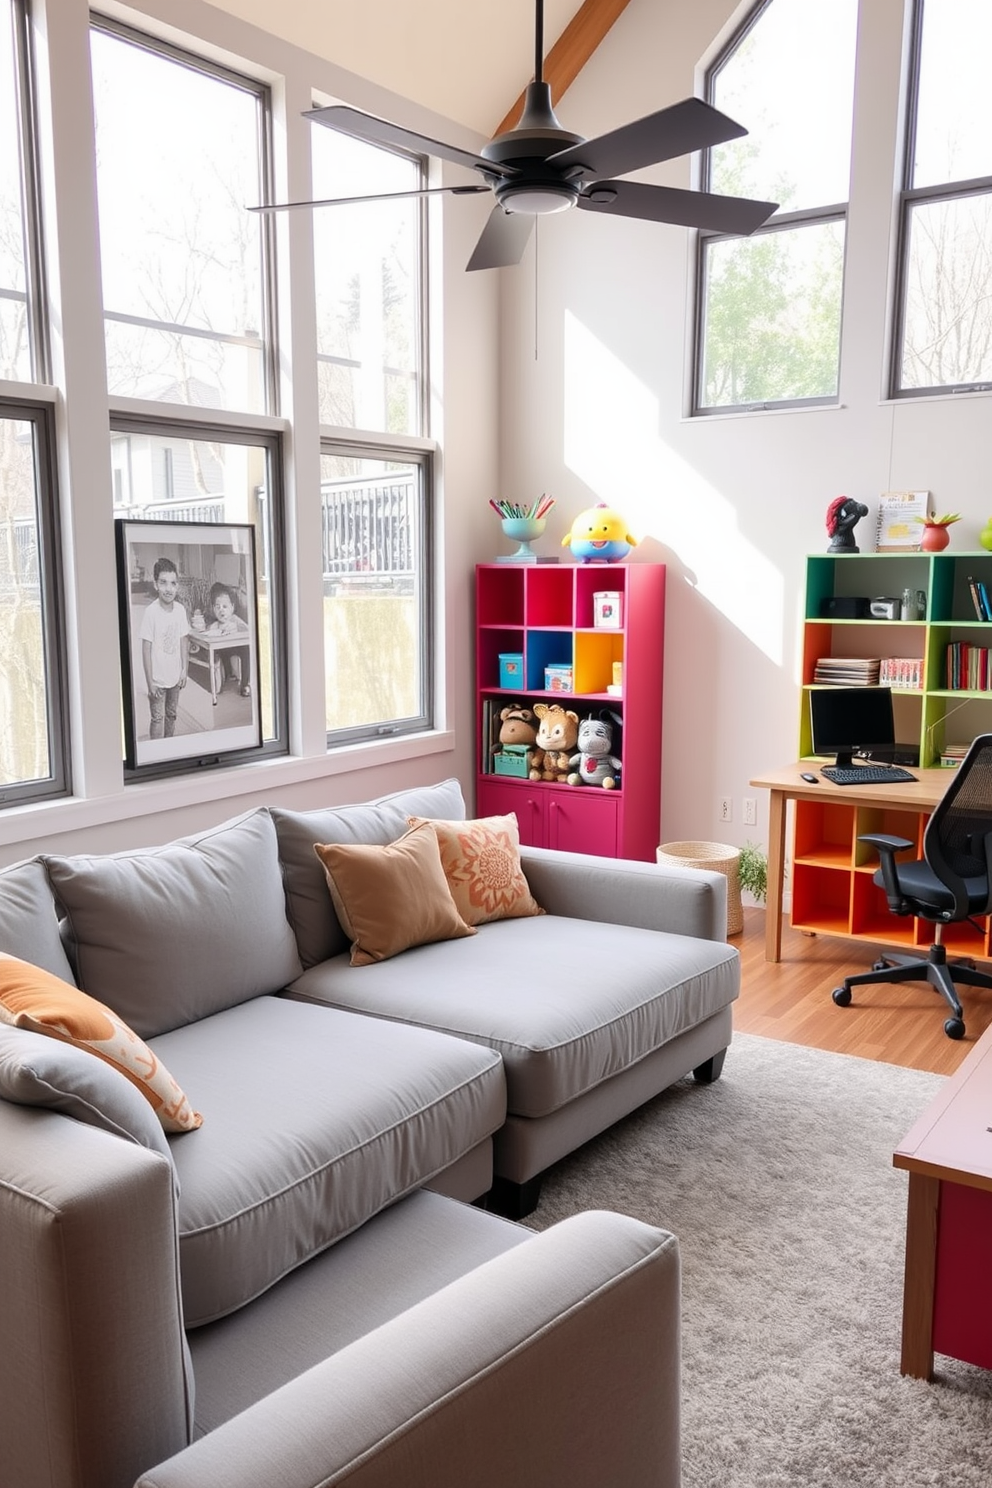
583,819
498,798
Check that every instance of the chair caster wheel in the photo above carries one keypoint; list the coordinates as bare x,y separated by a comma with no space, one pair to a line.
842,996
954,1028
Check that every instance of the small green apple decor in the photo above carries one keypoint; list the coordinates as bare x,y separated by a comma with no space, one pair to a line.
985,536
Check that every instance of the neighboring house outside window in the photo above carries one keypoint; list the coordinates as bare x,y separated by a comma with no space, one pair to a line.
769,305
944,298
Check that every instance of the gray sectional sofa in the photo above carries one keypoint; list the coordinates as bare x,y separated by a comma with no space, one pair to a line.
303,1255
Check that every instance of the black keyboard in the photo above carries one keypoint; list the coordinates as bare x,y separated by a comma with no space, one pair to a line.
866,774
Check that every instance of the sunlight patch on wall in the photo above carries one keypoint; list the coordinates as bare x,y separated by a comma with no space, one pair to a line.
611,442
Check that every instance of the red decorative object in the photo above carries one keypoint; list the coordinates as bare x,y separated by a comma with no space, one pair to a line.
935,537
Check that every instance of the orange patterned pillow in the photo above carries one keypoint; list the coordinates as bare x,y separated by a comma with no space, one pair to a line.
35,999
481,861
391,898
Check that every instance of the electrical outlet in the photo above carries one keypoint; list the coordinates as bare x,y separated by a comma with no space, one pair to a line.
750,811
726,808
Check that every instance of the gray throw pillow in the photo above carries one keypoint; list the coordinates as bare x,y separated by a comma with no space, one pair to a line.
373,823
40,1071
29,927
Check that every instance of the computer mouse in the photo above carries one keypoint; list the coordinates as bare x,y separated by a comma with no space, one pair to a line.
811,778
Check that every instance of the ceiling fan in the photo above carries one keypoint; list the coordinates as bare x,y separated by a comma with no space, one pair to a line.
539,168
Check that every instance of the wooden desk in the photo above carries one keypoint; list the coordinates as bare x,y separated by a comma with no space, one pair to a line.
785,785
947,1291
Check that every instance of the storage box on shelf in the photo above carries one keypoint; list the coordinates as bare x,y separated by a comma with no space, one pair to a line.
548,614
832,874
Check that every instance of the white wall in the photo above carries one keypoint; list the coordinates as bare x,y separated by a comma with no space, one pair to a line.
732,504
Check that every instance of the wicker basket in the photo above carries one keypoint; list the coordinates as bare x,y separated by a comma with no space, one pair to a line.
718,857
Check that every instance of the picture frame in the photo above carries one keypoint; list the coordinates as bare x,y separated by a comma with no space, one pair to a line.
188,616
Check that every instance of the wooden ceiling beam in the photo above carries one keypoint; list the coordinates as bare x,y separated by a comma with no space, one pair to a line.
572,50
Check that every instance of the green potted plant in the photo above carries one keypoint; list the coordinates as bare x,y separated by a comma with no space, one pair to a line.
753,871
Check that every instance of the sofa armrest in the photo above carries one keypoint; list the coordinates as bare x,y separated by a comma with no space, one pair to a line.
620,891
555,1365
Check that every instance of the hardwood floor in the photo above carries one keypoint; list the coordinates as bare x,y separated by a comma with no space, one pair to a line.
790,1000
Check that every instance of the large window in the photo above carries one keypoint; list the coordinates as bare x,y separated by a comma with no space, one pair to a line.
32,748
377,592
944,339
368,279
180,154
15,220
769,305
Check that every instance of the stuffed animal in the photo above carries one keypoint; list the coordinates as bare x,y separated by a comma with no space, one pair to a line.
556,735
599,535
517,725
596,765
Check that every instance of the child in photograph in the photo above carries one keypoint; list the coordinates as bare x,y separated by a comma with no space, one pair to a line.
227,622
164,650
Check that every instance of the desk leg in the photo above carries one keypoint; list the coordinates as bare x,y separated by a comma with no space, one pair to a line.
776,871
920,1276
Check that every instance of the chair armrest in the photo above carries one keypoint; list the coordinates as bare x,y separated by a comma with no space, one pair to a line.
555,1365
887,847
620,891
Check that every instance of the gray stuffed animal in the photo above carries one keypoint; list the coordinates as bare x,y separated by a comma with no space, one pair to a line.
596,765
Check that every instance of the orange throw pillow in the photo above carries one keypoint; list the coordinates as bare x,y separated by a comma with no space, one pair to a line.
481,861
35,999
391,898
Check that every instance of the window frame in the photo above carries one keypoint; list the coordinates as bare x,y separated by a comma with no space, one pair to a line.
909,197
419,453
807,216
41,415
271,557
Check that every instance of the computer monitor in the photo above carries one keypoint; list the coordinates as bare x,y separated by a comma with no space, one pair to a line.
846,720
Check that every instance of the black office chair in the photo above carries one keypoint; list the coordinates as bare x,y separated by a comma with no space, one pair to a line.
951,883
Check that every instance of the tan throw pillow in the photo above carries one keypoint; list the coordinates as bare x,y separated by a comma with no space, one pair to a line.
391,898
35,999
481,861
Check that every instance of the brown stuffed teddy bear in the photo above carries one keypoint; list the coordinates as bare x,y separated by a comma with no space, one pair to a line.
556,736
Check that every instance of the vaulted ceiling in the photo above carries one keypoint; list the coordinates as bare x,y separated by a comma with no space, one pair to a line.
466,59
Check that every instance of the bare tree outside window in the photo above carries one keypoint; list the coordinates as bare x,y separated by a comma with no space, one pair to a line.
769,305
367,276
178,161
945,304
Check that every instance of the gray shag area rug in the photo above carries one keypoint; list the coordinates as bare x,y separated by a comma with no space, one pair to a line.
778,1182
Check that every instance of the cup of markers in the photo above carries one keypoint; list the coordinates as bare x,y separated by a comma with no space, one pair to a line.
522,524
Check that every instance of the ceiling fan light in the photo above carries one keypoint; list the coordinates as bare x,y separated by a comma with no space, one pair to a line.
539,201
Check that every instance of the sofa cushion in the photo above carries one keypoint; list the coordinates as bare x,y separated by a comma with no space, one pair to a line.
40,1071
481,861
390,898
29,925
317,1120
166,935
318,932
31,998
567,1003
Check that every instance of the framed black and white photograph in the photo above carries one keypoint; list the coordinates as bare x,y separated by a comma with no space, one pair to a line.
189,639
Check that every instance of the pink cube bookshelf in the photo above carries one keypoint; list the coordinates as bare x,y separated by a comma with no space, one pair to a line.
547,613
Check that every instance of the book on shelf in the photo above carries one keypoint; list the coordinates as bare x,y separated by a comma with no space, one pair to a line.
979,598
896,530
967,668
904,672
847,671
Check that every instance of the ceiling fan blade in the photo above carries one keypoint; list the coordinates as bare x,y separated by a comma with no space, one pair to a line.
678,130
347,201
503,240
381,132
727,214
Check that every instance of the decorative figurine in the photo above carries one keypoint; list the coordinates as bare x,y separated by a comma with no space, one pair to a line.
843,515
599,535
